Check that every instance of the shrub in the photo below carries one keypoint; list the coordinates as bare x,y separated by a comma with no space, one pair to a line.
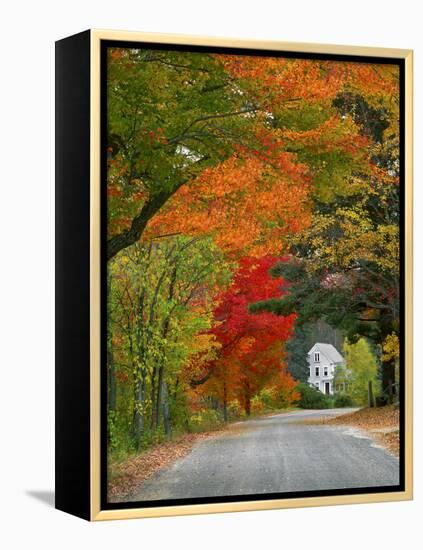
257,405
311,398
235,410
267,398
343,400
205,420
286,397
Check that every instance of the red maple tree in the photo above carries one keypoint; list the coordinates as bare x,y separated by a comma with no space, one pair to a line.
251,354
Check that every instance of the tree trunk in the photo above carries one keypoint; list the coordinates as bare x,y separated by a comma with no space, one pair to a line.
163,400
247,397
153,400
225,403
111,398
247,405
111,377
158,405
139,223
166,411
371,395
247,401
138,419
388,380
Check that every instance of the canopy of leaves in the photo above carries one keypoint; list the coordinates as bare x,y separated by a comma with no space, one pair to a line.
175,117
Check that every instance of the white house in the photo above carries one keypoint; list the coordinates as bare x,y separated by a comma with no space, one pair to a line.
323,360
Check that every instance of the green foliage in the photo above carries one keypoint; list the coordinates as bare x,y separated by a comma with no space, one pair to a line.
305,117
112,433
272,399
311,398
372,121
267,398
154,323
297,348
171,115
179,412
361,367
154,93
235,410
205,420
343,400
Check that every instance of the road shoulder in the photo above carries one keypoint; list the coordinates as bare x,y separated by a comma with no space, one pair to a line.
380,423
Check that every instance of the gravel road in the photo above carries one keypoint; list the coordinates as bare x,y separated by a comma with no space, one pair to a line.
276,454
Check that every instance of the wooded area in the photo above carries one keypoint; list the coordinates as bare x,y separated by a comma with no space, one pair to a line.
252,201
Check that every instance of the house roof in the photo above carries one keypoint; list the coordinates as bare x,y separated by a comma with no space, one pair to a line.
329,351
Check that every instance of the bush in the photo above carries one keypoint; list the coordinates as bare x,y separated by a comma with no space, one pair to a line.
311,398
257,405
205,420
235,410
343,400
267,398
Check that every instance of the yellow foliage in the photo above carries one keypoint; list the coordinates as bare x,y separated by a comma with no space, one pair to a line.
390,348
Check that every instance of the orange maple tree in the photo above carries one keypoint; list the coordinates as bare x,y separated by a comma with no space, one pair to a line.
245,203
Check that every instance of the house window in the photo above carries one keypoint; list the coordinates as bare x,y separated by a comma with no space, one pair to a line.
317,357
317,386
325,372
317,371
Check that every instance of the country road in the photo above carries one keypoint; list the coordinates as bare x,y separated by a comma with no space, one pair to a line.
276,454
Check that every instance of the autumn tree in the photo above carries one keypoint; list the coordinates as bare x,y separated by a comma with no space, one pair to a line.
160,304
251,352
171,115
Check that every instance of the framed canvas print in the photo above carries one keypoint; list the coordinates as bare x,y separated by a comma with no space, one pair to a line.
233,275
